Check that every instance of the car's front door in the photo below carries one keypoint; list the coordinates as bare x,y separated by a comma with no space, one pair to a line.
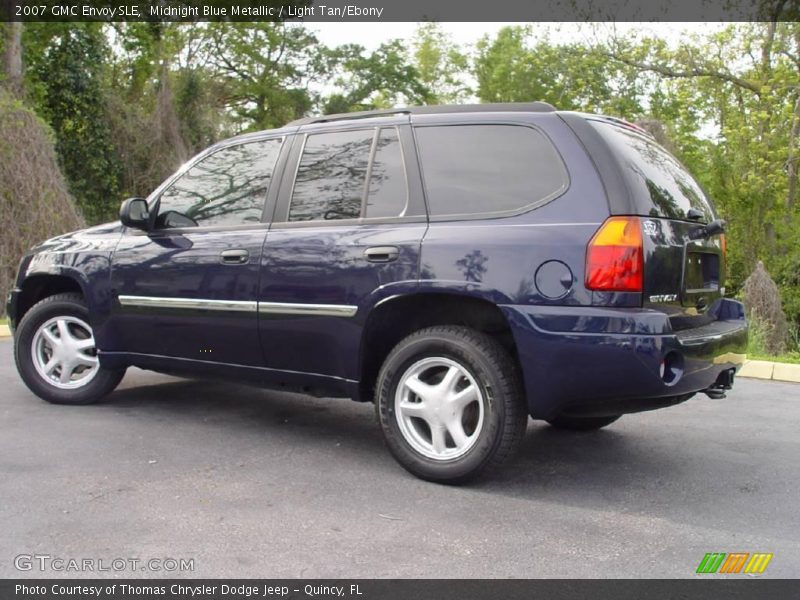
347,232
187,289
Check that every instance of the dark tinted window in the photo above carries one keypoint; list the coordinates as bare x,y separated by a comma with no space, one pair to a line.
331,177
662,187
227,187
473,169
388,192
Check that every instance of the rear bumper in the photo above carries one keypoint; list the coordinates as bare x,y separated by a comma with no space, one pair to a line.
600,361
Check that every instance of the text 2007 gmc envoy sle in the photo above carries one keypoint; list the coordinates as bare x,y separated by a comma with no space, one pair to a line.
462,267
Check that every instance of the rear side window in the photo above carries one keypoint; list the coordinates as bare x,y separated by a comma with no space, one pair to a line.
350,175
485,169
388,191
661,186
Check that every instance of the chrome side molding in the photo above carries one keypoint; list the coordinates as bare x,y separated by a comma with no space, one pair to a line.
191,303
320,310
266,308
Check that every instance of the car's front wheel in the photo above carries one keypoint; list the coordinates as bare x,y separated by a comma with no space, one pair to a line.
56,354
450,405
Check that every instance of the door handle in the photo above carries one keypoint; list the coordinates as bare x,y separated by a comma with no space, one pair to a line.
382,254
234,257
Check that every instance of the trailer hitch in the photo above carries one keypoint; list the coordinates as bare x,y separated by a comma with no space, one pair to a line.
723,383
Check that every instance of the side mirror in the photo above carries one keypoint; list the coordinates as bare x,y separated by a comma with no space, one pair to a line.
133,213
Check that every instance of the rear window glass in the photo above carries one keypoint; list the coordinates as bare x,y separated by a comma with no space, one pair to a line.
662,186
484,169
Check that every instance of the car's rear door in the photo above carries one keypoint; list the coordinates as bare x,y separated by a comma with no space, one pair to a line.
346,233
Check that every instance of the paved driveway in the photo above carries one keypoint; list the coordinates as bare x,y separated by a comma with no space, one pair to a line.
256,483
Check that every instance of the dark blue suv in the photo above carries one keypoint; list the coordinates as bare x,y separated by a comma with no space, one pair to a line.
462,267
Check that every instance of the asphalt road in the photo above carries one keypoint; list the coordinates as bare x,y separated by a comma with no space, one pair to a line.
252,483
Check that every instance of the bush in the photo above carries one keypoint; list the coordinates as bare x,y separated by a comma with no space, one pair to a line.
34,202
757,335
769,330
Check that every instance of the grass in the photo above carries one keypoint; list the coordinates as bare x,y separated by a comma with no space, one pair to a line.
789,357
757,342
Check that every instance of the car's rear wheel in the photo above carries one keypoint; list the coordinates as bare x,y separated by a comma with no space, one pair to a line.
450,405
582,423
56,354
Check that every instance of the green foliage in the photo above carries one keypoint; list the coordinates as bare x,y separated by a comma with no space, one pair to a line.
145,121
197,109
67,75
758,344
441,65
267,68
380,79
757,337
513,67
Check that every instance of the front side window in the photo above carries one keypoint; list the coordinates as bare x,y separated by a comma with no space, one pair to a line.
350,175
484,169
226,188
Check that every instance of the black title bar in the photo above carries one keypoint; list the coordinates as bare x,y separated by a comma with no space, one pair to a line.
400,10
391,589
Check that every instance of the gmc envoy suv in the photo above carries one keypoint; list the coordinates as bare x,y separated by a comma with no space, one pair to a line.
462,267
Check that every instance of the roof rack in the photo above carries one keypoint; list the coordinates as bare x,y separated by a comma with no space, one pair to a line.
431,110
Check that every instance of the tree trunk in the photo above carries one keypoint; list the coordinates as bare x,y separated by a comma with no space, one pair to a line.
169,122
12,57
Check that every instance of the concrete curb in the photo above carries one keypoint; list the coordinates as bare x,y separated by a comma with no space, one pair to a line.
764,369
756,369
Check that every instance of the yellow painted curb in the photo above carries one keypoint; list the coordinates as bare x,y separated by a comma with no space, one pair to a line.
765,369
758,369
786,372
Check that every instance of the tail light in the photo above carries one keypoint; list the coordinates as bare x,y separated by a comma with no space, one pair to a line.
723,245
614,257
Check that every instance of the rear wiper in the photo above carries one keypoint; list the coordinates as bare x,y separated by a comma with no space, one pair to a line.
704,232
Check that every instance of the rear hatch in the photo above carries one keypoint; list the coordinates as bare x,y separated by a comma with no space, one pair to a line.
683,271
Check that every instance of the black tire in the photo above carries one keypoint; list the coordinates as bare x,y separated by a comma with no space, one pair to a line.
496,375
582,423
59,305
